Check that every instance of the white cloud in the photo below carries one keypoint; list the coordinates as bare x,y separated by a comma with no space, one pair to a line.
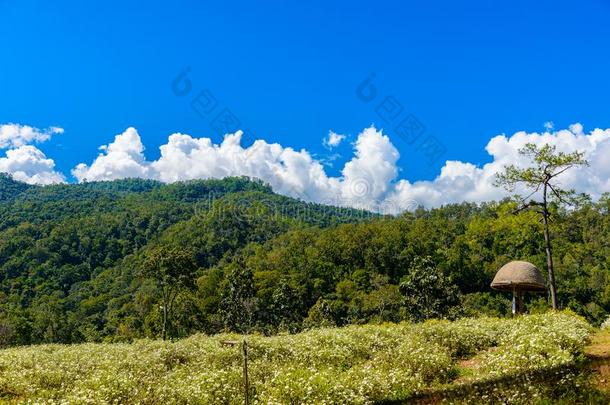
368,180
15,135
28,164
460,181
296,173
332,140
122,158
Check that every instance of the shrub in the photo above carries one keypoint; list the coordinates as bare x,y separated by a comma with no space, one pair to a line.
356,364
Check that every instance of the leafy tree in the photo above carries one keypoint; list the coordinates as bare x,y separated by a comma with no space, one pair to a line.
427,292
239,304
541,181
384,302
286,307
173,271
322,314
7,332
486,304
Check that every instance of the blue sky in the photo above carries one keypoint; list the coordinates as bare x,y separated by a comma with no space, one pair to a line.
289,71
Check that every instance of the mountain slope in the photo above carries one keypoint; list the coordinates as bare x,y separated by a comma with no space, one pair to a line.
94,262
56,241
10,189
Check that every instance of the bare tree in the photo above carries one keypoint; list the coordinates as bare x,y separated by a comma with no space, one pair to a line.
540,179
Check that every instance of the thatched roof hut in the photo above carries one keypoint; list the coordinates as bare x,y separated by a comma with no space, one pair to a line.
519,275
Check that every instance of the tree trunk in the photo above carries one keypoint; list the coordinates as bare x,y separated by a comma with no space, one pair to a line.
549,251
164,329
517,302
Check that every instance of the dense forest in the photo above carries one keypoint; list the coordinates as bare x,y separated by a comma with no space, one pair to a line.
114,261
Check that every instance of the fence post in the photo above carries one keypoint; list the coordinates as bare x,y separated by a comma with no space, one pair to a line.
244,347
246,383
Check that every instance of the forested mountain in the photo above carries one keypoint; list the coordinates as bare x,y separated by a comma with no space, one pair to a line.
111,260
10,189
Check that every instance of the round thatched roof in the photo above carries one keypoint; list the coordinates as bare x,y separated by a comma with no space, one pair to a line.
519,275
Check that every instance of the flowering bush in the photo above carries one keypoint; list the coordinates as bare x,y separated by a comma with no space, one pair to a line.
355,364
537,342
606,324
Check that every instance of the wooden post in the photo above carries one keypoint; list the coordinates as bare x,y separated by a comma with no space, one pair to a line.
246,383
244,346
514,303
519,302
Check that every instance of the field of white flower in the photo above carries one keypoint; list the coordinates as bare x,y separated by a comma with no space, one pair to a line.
355,364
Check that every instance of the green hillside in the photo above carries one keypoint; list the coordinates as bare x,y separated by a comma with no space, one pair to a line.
69,253
98,261
10,189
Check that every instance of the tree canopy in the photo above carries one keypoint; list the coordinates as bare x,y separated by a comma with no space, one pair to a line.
78,262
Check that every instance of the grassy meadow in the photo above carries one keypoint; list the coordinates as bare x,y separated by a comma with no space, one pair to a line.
520,360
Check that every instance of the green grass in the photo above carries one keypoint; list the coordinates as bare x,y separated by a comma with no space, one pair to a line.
507,360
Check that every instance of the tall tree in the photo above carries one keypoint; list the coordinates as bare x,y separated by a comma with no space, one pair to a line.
540,180
427,292
239,304
173,270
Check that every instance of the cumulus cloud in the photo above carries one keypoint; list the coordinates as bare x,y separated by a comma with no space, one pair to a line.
15,135
369,180
461,181
296,173
28,164
122,158
332,140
